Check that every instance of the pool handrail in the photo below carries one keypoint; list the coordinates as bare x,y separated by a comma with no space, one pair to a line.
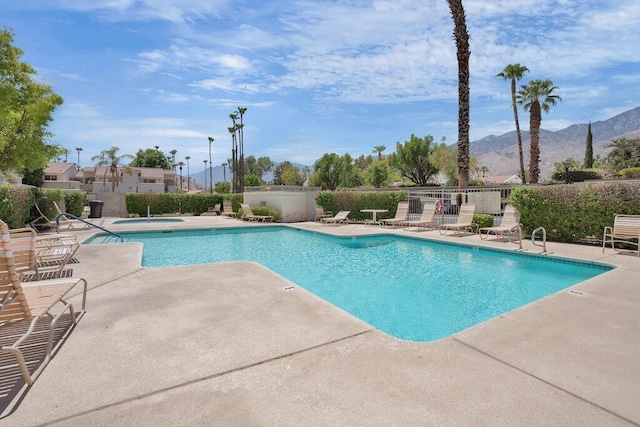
89,223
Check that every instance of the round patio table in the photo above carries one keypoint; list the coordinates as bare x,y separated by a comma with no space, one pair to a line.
374,213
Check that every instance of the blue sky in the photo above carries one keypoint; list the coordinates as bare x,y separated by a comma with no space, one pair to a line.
315,76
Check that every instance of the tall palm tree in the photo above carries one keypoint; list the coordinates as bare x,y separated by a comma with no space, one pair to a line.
173,159
515,72
241,111
536,97
234,152
181,164
188,174
224,171
462,46
112,161
379,149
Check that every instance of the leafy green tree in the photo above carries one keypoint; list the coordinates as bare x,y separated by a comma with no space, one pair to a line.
258,166
26,108
252,180
515,72
378,173
332,171
222,187
413,159
462,47
625,153
536,97
588,154
363,162
151,158
34,177
286,173
113,162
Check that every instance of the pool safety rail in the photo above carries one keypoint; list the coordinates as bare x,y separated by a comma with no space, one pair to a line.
544,238
89,223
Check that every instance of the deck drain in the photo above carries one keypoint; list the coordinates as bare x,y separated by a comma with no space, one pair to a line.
288,288
580,294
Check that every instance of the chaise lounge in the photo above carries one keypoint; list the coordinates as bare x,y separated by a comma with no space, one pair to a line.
339,218
248,215
464,222
510,223
24,305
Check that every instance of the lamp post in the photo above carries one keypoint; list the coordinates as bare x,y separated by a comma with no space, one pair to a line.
205,175
210,167
566,164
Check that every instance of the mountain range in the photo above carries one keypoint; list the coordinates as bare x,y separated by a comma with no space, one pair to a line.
500,153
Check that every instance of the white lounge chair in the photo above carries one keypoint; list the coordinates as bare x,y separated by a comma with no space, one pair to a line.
464,221
426,219
340,218
247,214
510,224
321,213
25,305
227,209
626,228
399,219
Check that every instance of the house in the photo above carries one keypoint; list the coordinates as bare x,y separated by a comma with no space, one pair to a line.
130,180
59,175
504,179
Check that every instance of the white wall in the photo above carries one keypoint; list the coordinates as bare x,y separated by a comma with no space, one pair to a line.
295,206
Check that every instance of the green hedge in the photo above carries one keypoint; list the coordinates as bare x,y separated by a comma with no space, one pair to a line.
575,212
17,203
354,201
171,203
578,176
630,173
483,220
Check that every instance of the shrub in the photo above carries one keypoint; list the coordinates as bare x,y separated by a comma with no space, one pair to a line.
578,176
630,173
483,220
74,202
575,212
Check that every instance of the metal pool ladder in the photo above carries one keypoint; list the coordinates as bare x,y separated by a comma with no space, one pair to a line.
544,238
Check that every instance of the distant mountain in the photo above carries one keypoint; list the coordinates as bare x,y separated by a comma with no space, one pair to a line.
500,153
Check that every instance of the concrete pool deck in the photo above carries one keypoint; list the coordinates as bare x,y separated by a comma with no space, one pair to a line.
235,344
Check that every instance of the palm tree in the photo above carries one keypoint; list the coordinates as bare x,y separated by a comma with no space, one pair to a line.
224,171
173,158
181,164
515,72
188,174
78,149
462,45
241,111
112,161
205,174
531,96
379,149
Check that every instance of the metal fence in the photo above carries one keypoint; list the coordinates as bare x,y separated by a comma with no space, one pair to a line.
488,200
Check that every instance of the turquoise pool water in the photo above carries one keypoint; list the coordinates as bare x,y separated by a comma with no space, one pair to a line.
139,220
409,288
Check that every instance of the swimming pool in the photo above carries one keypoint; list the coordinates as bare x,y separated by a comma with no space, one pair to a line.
412,289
